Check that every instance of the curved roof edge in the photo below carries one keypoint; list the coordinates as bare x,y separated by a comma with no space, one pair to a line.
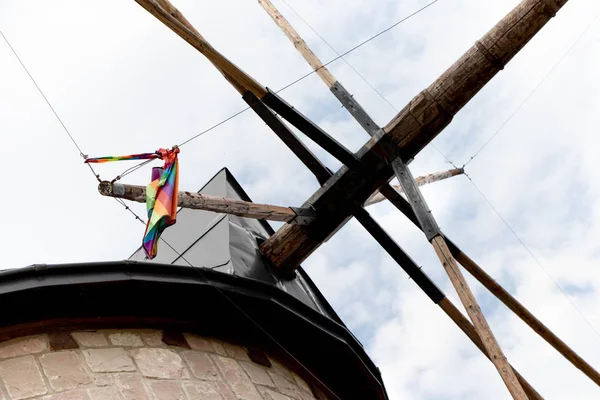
198,299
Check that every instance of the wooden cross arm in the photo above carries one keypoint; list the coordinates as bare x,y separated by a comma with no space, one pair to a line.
198,201
166,13
415,126
421,180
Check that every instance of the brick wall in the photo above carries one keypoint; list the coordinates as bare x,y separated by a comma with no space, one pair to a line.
140,365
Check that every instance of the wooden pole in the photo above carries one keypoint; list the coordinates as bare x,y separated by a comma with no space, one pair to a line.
198,201
421,180
486,280
166,13
479,322
525,315
414,126
299,43
467,327
369,125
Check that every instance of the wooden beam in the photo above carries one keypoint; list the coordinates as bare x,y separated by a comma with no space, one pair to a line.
421,180
321,70
415,126
198,201
429,288
299,43
467,327
479,322
501,294
525,315
166,13
433,233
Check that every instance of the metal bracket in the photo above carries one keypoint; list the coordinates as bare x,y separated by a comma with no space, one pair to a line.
304,216
416,200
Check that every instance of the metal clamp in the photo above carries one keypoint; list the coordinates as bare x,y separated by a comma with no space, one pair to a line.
304,216
416,200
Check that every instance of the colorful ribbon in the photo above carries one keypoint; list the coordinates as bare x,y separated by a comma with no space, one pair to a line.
142,156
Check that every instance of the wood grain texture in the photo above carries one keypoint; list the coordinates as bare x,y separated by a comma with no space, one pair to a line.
198,201
298,42
482,328
467,327
469,74
497,290
166,13
526,316
415,126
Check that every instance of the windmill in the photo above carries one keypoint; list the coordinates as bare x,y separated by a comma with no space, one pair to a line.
344,194
365,175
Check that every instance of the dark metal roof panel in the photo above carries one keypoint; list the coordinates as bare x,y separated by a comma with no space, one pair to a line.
230,244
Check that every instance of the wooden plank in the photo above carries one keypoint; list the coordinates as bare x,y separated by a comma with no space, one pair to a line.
501,294
429,287
430,228
166,13
198,201
467,327
421,180
321,70
526,316
299,43
479,322
415,126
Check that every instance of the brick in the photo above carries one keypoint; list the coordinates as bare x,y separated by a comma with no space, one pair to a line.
257,374
153,338
269,394
198,342
236,352
201,365
281,382
175,338
285,386
259,357
159,363
218,347
301,383
224,390
64,370
307,395
108,360
203,390
24,346
90,339
281,369
165,390
61,341
104,393
102,380
22,378
131,386
126,339
237,378
72,395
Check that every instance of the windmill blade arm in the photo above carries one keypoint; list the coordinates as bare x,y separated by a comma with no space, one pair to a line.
199,201
421,180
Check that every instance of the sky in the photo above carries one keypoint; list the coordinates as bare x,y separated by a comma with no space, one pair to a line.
123,83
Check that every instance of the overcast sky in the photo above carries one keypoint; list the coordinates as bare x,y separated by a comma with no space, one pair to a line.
123,83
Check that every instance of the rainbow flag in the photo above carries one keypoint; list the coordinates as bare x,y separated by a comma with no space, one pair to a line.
161,201
141,156
161,195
